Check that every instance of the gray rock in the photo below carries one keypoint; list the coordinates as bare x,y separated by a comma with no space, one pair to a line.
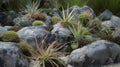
117,33
11,56
56,14
7,27
52,37
108,23
98,53
106,15
31,33
78,10
60,30
48,19
115,21
2,29
113,65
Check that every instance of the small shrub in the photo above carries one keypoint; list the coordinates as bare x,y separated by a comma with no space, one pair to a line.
55,19
37,22
10,36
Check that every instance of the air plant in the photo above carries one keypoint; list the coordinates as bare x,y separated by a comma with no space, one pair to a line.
32,7
79,32
44,55
67,17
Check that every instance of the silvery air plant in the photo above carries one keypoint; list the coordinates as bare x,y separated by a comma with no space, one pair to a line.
23,21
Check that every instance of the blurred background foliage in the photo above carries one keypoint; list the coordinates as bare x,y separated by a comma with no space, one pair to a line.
97,5
15,5
100,5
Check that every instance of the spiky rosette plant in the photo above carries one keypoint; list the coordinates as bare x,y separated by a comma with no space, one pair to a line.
32,7
47,56
67,17
79,34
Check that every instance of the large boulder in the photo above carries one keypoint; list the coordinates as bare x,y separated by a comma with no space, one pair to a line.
79,10
96,54
11,56
30,34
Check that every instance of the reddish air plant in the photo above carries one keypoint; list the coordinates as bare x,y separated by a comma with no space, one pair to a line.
87,14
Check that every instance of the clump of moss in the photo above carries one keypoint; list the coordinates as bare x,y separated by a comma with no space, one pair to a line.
55,19
37,22
15,28
10,36
25,47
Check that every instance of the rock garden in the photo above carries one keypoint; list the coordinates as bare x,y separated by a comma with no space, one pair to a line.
59,33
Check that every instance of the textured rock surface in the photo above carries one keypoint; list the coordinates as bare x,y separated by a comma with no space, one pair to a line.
106,15
30,33
113,22
60,30
11,56
114,65
95,54
2,29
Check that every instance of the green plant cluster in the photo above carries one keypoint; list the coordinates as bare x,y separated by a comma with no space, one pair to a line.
10,36
37,22
55,19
